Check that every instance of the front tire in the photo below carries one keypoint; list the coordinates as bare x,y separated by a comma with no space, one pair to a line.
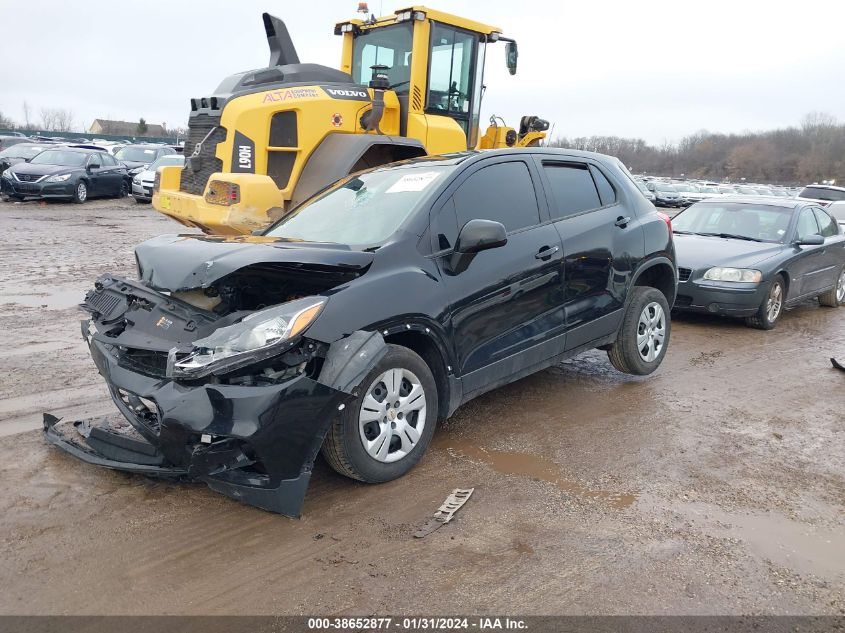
771,308
643,337
835,297
124,190
80,194
384,432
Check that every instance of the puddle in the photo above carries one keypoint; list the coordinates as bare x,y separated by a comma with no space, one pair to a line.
535,467
47,298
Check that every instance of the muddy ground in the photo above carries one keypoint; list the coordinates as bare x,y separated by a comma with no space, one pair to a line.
715,486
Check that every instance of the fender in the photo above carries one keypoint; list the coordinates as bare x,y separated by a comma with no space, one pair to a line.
337,154
651,263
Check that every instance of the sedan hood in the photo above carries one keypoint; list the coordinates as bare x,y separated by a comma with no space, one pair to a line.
701,251
184,262
132,164
40,170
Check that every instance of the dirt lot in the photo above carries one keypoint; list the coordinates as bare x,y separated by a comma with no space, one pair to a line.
716,485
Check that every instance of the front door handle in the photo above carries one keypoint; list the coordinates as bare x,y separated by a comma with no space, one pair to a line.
622,222
546,252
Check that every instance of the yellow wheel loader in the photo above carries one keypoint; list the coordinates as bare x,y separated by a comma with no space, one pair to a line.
409,85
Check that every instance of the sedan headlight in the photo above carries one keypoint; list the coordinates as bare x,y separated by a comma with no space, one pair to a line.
256,337
61,178
136,180
746,275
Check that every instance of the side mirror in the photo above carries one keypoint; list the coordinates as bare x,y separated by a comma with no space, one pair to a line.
511,55
480,235
93,166
811,240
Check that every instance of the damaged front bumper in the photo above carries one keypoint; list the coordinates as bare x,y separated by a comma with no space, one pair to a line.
255,443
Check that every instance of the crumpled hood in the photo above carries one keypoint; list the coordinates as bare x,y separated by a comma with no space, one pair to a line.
701,251
183,262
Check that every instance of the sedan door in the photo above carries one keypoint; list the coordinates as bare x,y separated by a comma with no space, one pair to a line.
97,178
808,270
506,305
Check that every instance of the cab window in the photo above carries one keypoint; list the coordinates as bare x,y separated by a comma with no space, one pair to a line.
387,46
450,73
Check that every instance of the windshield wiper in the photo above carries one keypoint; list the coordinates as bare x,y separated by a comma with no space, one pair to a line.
682,232
732,236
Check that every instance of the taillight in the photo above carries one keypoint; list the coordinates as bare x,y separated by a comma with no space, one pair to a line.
666,219
225,193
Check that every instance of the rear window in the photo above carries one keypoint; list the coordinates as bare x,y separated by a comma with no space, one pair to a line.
572,188
822,193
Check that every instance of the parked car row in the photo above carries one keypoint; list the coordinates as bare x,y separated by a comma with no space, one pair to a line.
78,172
682,193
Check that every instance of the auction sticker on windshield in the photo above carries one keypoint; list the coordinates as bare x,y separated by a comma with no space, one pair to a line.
412,182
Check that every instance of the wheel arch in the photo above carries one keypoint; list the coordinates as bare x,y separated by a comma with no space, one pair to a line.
341,154
658,273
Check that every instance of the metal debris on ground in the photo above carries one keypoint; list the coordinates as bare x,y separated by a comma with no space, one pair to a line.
445,512
836,364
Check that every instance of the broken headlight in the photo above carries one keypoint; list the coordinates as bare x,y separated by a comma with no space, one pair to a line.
256,337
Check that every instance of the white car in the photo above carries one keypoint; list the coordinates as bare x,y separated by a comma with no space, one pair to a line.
142,182
837,210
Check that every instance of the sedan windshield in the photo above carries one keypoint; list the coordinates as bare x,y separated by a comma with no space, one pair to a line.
362,210
136,154
822,193
664,187
18,151
60,157
761,223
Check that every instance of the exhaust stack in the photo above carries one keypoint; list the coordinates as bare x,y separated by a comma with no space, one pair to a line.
282,50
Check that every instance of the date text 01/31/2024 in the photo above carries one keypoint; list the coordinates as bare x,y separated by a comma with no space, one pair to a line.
417,623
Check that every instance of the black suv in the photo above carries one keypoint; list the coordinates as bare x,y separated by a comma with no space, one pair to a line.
369,313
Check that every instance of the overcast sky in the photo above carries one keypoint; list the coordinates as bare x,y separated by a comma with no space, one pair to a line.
653,70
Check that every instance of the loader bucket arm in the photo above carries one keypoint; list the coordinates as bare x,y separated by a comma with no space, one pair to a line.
282,50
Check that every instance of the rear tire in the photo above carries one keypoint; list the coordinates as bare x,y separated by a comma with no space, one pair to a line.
368,442
771,308
643,336
80,194
835,297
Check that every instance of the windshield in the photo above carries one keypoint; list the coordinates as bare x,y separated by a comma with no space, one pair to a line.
642,186
168,160
708,190
756,222
361,210
20,151
822,193
662,186
688,188
60,157
389,46
136,154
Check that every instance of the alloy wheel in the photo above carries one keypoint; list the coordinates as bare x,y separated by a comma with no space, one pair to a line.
651,331
393,415
774,303
840,287
81,192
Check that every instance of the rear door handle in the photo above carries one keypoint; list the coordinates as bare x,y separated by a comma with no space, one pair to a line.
546,252
622,222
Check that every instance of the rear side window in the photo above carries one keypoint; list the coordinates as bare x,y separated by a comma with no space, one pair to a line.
826,224
503,193
606,192
573,189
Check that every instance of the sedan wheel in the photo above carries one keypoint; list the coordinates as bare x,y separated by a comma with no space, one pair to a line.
835,296
771,308
80,195
393,415
386,429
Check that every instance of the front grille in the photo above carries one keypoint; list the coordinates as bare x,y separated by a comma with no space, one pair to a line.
683,300
27,188
684,274
144,362
198,168
27,177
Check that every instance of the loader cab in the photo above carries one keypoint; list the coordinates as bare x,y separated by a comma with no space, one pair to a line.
435,65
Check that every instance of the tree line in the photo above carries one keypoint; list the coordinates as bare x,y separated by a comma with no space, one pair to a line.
811,152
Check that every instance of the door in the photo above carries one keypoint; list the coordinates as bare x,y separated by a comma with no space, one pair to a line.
832,254
97,177
807,270
111,175
602,241
506,310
